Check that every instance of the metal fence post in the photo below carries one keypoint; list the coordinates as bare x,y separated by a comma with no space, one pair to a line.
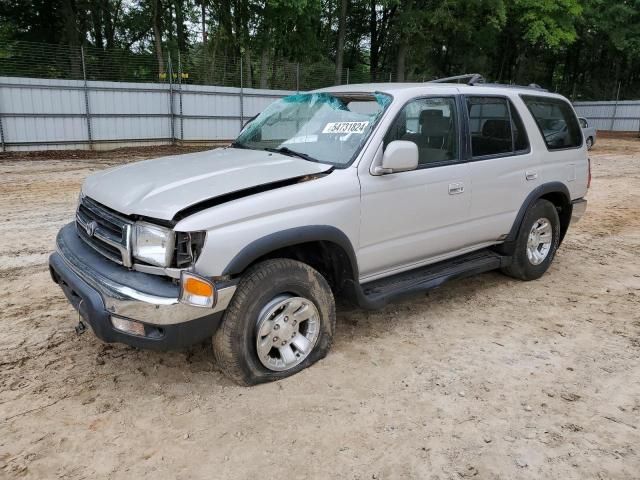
86,99
4,147
298,77
347,76
171,115
180,98
241,96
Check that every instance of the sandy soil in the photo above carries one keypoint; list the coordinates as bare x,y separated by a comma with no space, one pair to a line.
486,377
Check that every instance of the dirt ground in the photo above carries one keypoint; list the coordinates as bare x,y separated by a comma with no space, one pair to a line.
484,378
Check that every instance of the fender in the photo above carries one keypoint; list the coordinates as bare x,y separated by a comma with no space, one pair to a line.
539,191
288,238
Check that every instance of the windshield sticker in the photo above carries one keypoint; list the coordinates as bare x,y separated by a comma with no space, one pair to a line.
345,127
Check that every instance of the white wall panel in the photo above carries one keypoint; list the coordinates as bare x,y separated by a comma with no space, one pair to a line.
601,115
45,114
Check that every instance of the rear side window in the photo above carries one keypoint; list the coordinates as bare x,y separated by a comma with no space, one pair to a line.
556,121
496,127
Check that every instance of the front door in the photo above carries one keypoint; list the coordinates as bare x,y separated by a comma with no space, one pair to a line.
412,218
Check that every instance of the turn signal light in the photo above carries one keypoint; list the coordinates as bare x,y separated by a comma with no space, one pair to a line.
196,290
195,286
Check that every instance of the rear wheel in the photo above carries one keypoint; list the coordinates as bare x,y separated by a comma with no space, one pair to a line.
589,143
536,243
281,320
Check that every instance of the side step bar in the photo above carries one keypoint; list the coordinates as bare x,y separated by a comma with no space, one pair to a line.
376,294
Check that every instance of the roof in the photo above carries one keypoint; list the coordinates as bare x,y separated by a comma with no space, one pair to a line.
405,89
385,87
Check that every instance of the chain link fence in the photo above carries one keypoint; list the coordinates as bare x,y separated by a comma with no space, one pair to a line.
196,67
60,96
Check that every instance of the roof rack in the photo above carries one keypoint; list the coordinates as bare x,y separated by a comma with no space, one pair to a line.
474,78
477,79
531,86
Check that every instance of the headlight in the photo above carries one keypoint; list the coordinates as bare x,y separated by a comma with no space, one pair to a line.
153,244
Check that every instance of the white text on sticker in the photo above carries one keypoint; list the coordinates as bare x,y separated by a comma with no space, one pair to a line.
345,127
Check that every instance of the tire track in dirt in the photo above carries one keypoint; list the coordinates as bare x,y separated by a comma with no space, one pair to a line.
484,377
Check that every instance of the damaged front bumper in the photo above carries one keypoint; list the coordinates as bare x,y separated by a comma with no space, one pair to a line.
112,298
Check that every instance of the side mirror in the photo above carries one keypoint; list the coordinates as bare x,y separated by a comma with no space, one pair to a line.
399,156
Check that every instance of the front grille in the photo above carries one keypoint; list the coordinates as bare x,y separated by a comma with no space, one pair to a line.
105,231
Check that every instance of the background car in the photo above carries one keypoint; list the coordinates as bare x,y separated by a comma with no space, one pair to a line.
588,131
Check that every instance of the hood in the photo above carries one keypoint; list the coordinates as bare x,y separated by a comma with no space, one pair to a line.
161,187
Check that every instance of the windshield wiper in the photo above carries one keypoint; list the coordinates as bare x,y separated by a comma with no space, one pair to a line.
293,153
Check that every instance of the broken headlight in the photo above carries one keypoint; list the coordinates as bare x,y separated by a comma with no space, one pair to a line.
188,248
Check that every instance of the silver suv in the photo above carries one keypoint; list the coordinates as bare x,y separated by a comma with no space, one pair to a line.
370,192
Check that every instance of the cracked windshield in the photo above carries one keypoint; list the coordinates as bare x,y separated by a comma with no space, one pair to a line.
320,127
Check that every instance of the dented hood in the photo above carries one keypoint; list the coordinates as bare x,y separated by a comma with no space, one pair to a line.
161,187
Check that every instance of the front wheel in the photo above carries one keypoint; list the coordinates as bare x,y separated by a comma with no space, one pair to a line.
281,320
537,241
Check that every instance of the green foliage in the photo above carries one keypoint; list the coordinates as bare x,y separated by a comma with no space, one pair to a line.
582,48
547,22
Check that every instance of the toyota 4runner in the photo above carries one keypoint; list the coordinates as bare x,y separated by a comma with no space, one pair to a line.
371,192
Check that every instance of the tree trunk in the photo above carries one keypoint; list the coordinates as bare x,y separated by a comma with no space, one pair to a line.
265,42
111,18
180,30
203,12
550,71
403,41
248,77
72,37
264,67
157,35
204,23
96,19
403,48
342,30
375,49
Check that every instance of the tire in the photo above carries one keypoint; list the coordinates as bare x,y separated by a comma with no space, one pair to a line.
589,143
264,287
526,263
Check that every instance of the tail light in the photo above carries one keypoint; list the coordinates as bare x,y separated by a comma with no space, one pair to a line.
589,179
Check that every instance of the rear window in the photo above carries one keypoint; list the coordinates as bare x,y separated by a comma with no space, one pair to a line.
556,120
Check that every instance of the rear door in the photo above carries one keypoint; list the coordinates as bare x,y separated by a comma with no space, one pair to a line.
502,167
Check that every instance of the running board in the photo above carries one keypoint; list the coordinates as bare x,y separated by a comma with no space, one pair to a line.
376,294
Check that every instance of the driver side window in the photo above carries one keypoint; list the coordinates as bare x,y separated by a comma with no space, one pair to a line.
432,125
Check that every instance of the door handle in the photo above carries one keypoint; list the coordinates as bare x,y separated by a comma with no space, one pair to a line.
456,188
531,175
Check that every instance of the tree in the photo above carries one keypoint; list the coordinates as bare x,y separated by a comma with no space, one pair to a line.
342,29
157,34
582,48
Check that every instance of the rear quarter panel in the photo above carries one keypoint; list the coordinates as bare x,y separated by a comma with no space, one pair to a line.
569,166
